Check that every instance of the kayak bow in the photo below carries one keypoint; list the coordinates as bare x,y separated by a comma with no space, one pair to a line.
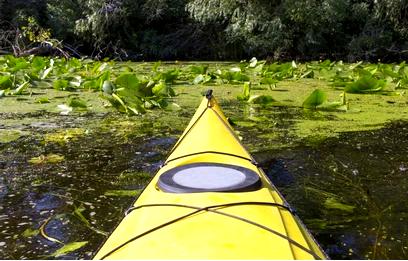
210,200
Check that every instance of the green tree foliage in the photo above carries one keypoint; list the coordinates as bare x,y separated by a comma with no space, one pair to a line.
221,29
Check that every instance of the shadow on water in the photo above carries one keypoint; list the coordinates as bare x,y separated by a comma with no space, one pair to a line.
348,190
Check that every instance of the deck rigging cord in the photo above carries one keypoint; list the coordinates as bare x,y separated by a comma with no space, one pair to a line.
212,210
209,96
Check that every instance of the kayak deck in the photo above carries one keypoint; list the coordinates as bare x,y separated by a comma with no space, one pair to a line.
252,224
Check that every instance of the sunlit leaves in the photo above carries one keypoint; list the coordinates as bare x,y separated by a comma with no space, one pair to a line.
253,62
366,84
199,69
255,99
21,88
163,89
169,76
60,85
233,75
316,98
333,203
5,81
261,99
246,92
126,91
108,87
77,103
128,81
68,248
47,159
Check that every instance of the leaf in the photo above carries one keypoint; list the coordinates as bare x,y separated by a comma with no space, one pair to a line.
5,81
128,81
173,107
261,99
156,66
122,193
269,81
162,89
316,98
246,92
198,79
253,62
307,74
60,84
108,87
20,89
68,248
121,102
104,77
46,72
333,203
50,158
169,76
78,212
43,100
38,63
366,84
137,109
200,69
77,103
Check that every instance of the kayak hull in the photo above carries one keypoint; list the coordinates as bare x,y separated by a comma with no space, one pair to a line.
253,224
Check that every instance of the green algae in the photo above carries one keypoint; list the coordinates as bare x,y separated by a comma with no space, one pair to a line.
64,136
10,135
122,193
47,159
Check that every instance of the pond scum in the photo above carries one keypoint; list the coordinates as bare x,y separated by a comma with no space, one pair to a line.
62,109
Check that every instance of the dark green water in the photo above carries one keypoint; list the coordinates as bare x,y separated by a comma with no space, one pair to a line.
350,191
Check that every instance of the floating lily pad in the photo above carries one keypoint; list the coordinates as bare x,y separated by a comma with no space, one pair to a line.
333,203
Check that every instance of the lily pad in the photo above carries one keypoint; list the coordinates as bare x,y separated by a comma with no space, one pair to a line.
316,98
333,203
366,84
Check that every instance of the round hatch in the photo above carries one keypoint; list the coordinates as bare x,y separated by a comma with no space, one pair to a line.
208,177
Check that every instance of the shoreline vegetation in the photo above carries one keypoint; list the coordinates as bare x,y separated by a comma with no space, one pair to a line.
152,30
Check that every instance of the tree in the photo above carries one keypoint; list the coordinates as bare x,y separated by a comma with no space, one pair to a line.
255,25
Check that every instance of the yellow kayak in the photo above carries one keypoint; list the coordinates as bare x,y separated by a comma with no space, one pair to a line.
210,200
